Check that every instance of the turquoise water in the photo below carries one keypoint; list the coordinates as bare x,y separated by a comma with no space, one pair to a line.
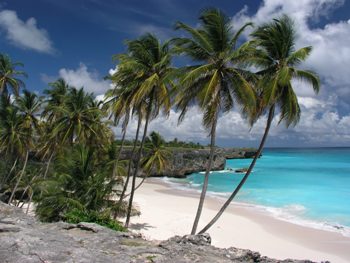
312,184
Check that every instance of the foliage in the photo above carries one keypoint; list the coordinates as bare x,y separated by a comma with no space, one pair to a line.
76,216
82,179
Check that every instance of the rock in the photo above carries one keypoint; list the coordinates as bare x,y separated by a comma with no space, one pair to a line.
27,240
241,170
183,162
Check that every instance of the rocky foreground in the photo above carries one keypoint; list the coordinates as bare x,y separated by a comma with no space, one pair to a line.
23,239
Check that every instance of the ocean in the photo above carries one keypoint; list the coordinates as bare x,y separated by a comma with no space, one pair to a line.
305,186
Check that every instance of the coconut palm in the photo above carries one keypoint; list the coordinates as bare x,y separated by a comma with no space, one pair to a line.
82,180
79,119
28,105
118,105
146,71
9,76
57,94
156,158
277,60
216,82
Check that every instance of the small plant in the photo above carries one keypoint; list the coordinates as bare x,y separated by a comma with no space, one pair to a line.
76,216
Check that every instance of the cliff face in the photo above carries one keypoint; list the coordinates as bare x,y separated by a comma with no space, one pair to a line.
24,240
186,161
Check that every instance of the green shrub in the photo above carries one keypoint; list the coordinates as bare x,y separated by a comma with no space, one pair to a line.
76,216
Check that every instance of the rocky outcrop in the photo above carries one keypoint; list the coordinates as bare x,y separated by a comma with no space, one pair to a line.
186,161
24,240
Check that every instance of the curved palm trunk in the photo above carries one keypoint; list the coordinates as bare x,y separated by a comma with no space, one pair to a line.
206,178
244,179
137,166
19,179
131,160
48,165
115,168
138,186
9,174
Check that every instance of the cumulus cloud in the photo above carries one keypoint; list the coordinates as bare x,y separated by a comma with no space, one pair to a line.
320,125
82,77
25,34
330,57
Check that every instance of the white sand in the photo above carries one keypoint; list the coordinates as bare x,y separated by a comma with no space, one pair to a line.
166,212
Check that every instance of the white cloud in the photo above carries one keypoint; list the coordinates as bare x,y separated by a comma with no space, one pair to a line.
82,77
320,124
322,121
25,34
330,57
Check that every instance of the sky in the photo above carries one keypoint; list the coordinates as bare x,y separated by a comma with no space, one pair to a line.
76,40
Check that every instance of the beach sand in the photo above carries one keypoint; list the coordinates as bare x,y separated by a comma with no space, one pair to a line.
166,212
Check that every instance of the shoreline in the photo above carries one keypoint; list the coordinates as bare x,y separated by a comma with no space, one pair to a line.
167,211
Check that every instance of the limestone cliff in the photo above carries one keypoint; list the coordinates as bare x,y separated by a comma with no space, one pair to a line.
186,161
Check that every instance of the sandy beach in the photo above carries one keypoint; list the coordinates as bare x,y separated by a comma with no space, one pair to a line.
166,212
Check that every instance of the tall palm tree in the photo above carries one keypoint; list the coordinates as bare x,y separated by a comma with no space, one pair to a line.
9,76
57,95
118,104
18,130
79,119
216,81
157,156
277,60
147,67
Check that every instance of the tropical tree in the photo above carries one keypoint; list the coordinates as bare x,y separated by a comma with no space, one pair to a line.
79,119
57,95
9,76
118,105
277,61
82,180
146,72
216,81
17,130
157,156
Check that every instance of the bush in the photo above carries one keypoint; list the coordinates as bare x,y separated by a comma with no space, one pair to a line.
76,216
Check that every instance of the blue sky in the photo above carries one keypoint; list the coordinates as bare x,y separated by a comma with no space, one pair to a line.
76,40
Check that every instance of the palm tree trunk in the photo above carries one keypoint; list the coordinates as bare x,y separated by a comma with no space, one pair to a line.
131,159
139,185
206,177
19,179
244,179
9,174
128,215
48,165
115,167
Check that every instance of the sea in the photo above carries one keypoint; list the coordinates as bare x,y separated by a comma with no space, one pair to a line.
306,186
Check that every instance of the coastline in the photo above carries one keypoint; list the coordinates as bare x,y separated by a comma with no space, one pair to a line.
167,211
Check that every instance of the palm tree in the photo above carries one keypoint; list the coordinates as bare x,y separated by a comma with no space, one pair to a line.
57,95
82,180
79,119
28,106
216,82
156,158
9,75
147,69
118,104
276,58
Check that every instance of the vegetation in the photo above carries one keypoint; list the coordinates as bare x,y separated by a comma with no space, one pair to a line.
59,151
216,82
